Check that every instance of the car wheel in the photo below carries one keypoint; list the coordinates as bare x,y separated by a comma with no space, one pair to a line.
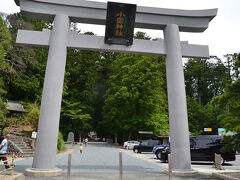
158,154
138,151
222,161
135,150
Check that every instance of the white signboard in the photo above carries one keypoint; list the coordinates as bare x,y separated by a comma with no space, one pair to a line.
34,134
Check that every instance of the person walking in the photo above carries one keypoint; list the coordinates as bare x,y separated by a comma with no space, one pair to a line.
85,141
81,147
3,150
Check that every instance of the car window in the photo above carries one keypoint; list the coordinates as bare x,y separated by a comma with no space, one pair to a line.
204,142
132,142
153,143
145,143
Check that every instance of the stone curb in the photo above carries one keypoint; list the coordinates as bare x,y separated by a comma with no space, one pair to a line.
224,176
9,177
183,173
68,151
36,173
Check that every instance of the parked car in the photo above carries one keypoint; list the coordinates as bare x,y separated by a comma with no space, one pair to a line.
158,149
203,148
145,146
130,144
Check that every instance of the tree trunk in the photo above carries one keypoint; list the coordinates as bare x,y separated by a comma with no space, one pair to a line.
130,135
80,137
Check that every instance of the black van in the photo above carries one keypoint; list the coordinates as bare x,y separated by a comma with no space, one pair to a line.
145,146
203,148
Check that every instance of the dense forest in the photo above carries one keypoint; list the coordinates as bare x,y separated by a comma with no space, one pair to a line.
116,93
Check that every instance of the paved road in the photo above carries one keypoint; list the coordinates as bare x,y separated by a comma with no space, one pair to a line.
202,167
101,161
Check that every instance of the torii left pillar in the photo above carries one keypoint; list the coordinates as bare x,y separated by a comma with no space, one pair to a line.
51,101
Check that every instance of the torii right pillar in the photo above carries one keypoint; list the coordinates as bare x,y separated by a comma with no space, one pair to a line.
177,107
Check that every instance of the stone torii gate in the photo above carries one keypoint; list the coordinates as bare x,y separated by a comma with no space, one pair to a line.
62,12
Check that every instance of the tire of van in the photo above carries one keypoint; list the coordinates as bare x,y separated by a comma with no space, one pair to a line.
222,161
137,151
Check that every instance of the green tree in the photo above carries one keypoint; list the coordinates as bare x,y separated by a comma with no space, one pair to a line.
61,144
28,63
32,114
205,79
135,99
194,117
230,119
79,91
5,46
233,64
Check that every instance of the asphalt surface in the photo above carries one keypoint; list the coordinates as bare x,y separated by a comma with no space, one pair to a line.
100,161
205,167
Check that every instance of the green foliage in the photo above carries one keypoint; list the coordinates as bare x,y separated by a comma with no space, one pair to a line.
32,114
135,99
230,102
200,117
3,109
232,143
25,77
74,118
205,79
230,118
5,39
5,46
79,91
194,117
233,64
141,35
61,144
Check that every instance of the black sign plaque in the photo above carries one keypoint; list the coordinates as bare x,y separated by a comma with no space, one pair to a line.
120,23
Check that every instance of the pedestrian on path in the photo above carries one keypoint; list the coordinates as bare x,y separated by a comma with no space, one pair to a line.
3,150
85,141
81,147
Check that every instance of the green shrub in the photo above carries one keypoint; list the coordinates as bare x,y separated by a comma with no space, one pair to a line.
61,144
32,114
27,134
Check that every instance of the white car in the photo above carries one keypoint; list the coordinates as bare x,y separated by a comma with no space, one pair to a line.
130,144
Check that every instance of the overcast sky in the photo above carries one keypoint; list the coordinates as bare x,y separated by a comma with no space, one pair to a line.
222,36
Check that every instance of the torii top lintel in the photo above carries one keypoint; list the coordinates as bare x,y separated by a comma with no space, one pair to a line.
95,13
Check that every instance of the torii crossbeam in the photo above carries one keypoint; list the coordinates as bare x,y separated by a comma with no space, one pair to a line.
62,12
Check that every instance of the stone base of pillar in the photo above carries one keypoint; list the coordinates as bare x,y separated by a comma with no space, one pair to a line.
183,173
42,173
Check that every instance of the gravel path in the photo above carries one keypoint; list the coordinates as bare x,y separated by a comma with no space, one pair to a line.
99,157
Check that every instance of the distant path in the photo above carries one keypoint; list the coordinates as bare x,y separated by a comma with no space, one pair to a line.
100,157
